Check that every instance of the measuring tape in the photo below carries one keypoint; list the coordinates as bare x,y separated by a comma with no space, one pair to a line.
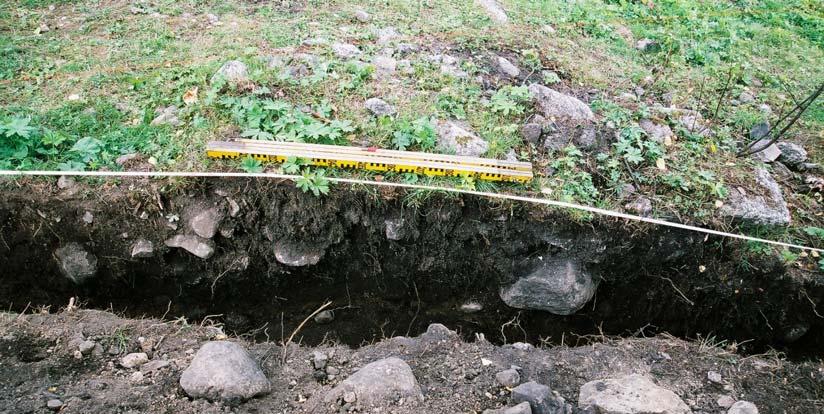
532,200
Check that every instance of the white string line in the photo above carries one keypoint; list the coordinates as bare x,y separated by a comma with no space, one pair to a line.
562,204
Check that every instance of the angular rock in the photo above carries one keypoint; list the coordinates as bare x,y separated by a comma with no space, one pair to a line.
493,10
394,229
631,394
154,365
558,285
539,397
345,50
743,407
319,360
65,182
768,209
532,132
508,378
54,404
378,384
522,408
198,246
76,263
746,97
297,254
657,132
379,107
645,44
587,139
558,105
167,116
506,68
760,131
792,154
223,370
142,248
134,360
233,71
768,154
205,222
455,136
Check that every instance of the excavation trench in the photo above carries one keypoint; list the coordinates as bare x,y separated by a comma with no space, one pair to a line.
390,261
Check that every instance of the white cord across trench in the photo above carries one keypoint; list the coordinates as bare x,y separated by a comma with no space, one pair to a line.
562,204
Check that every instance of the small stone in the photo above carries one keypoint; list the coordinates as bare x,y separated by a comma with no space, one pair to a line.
377,384
350,397
506,68
362,16
538,396
454,136
142,248
123,159
325,317
379,107
65,182
54,404
88,217
76,263
743,407
494,11
645,44
394,229
555,104
386,35
233,71
223,370
200,247
167,116
766,109
213,19
508,378
522,408
532,132
134,360
471,307
297,254
205,222
641,206
154,365
385,65
659,133
136,376
86,347
319,360
725,401
714,377
792,154
332,370
746,97
523,346
345,50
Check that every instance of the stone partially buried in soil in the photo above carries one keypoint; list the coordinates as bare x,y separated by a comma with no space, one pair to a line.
556,285
767,208
454,136
198,246
631,394
223,370
540,398
379,107
232,71
297,254
555,104
76,263
378,384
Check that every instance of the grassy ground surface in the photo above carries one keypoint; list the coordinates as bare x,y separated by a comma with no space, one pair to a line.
80,83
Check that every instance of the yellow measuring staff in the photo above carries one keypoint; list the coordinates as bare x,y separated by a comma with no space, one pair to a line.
374,159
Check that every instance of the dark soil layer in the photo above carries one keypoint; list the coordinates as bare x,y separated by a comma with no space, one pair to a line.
451,251
37,364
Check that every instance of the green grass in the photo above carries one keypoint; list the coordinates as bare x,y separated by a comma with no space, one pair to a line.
124,66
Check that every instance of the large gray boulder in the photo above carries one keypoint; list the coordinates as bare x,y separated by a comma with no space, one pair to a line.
223,370
631,394
454,136
766,206
76,263
297,254
232,71
380,383
196,245
555,104
558,285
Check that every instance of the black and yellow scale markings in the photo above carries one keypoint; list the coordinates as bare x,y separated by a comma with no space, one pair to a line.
374,159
